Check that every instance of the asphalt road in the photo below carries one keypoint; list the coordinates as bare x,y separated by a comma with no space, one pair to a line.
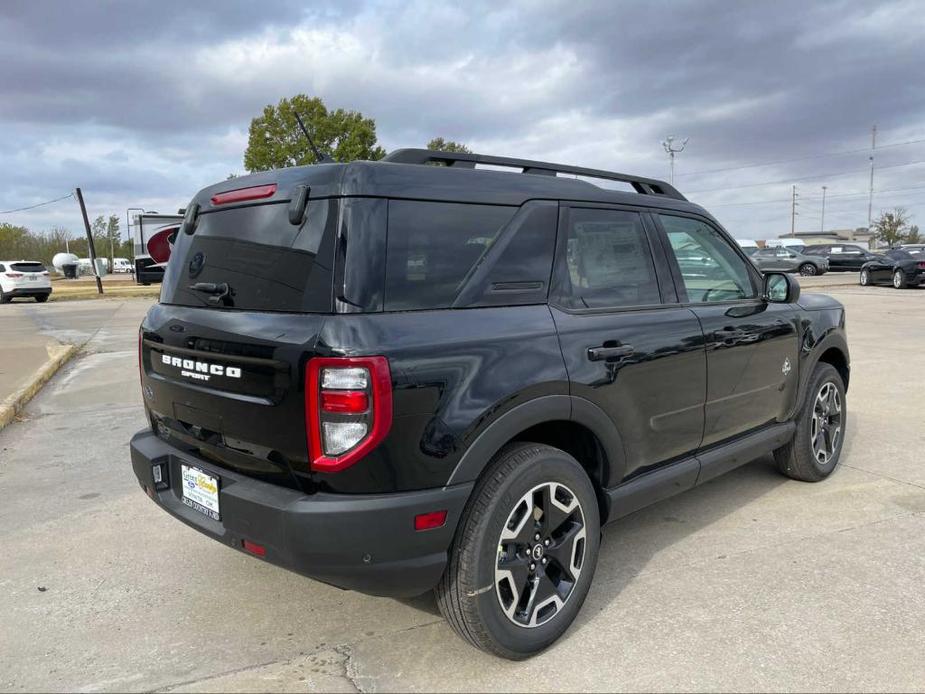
750,582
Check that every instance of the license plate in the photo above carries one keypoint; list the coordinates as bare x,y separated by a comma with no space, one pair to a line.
200,491
32,277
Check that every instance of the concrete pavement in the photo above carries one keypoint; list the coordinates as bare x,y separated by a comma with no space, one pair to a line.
750,582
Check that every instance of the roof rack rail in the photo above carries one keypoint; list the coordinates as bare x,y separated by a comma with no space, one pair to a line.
644,186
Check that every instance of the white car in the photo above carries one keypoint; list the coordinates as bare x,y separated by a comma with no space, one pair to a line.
122,265
23,278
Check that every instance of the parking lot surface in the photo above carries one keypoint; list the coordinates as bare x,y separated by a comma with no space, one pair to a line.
750,582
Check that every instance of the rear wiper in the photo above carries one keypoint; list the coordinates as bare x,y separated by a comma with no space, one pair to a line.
222,292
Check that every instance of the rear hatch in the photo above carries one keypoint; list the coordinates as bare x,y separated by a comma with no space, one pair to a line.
223,353
29,275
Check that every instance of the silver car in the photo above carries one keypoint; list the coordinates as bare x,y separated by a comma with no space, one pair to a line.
788,260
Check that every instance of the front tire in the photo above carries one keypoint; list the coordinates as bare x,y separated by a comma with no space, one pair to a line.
524,554
813,453
899,279
865,278
807,269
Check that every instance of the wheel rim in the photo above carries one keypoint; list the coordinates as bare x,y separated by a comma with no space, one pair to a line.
541,552
897,280
863,276
808,269
827,423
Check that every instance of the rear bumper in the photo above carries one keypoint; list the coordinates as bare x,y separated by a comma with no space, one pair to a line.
28,291
365,542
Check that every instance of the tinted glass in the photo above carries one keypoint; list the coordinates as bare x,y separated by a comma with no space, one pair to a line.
710,267
27,267
432,246
608,263
268,263
898,254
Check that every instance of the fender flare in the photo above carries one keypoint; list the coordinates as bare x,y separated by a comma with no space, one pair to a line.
833,338
548,408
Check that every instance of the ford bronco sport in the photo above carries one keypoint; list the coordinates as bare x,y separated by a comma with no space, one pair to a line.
394,377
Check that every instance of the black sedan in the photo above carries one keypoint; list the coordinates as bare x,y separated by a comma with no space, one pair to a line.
898,267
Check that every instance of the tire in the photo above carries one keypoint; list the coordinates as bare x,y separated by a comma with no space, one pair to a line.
808,269
899,279
800,459
477,596
5,298
865,278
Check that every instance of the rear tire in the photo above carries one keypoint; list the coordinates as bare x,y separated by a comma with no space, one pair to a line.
899,279
41,298
503,590
813,453
5,298
808,269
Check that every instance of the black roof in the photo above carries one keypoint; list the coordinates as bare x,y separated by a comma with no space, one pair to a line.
404,175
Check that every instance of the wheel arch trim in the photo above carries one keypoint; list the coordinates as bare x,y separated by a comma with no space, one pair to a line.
548,408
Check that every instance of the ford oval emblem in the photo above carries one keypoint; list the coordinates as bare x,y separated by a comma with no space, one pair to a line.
195,265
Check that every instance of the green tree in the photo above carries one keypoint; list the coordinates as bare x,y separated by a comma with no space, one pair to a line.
913,236
892,227
275,140
440,145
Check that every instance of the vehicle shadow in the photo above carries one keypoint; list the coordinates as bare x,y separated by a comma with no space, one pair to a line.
663,536
629,544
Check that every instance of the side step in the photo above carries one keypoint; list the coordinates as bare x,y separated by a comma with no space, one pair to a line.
687,473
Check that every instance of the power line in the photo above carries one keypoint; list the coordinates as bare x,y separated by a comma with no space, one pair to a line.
803,178
32,207
803,158
816,197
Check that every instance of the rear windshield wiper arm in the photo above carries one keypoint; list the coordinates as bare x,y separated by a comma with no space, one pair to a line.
222,292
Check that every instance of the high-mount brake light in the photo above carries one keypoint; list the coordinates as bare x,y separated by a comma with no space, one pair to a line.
348,409
244,194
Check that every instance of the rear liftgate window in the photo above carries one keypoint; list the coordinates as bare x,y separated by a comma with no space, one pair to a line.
268,263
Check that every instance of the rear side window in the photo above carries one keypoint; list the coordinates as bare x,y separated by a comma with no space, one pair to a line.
432,246
608,262
27,267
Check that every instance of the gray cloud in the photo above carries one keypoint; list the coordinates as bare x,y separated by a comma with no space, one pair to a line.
142,102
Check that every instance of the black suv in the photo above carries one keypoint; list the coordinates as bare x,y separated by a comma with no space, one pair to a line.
422,374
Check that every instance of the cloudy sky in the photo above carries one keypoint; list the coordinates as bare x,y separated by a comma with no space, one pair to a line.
141,104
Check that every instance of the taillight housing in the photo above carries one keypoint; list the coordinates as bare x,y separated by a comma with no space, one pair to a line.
14,275
348,409
921,266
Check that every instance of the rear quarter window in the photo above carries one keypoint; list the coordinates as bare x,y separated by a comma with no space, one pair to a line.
432,246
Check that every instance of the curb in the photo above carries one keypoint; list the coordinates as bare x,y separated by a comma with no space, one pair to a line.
15,403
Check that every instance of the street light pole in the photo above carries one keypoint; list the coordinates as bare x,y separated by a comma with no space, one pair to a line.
822,223
669,144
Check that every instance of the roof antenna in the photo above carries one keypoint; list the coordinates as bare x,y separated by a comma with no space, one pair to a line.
319,156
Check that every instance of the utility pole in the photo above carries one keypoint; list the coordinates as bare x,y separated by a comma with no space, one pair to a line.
870,201
822,223
90,246
669,144
793,211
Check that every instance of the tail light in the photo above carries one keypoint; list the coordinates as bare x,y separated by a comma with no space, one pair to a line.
348,409
920,266
14,275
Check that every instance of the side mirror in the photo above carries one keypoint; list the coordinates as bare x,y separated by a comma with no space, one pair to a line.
780,288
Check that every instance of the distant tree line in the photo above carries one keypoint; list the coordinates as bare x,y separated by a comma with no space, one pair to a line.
20,243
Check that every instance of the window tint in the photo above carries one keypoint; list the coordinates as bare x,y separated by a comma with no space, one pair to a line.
431,248
710,268
607,260
27,267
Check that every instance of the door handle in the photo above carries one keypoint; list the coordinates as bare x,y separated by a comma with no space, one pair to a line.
615,352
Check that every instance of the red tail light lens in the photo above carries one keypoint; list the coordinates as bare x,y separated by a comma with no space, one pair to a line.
429,521
254,548
244,194
920,266
14,275
348,409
